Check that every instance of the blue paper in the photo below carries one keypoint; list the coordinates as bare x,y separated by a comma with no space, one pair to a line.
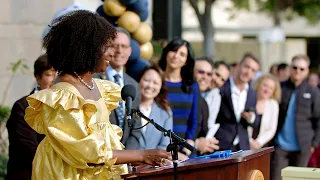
219,154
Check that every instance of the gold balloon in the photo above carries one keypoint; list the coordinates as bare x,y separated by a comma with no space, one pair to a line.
146,51
113,7
129,20
143,34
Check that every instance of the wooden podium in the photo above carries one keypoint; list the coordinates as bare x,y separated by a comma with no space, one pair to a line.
247,165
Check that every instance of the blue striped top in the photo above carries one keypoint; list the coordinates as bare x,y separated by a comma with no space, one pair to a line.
185,109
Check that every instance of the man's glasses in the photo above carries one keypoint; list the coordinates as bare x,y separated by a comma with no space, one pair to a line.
123,46
296,68
203,72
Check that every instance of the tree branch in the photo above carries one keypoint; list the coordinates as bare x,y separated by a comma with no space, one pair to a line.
208,7
194,4
207,13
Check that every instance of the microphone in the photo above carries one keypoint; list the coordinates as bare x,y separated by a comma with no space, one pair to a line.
128,93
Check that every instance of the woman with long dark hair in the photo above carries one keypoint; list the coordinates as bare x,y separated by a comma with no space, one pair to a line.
177,61
154,104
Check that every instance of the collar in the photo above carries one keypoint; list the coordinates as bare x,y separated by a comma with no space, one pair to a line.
293,86
234,88
111,72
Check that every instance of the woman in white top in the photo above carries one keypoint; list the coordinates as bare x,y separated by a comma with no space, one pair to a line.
154,104
268,97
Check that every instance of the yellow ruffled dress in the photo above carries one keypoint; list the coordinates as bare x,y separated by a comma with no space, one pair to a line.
78,133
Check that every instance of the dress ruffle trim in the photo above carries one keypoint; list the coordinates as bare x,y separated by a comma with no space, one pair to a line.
68,97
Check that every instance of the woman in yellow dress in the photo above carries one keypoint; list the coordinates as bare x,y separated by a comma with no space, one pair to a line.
80,141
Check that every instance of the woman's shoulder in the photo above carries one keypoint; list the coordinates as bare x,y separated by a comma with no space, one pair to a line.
195,85
110,92
49,101
272,105
107,85
60,94
163,113
273,102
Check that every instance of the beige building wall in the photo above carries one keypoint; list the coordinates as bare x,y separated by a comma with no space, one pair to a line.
23,21
21,25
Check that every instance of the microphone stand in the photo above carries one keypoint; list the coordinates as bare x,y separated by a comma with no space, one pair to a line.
175,141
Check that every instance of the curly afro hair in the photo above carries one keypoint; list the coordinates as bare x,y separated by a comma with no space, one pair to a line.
77,41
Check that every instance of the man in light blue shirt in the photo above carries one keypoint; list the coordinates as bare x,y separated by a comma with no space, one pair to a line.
298,130
287,138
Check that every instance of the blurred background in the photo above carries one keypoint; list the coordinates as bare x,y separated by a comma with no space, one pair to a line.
273,30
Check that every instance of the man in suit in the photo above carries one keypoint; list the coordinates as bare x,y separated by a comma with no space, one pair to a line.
237,109
114,73
298,132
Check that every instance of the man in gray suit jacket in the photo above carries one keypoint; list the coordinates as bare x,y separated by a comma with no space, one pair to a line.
122,50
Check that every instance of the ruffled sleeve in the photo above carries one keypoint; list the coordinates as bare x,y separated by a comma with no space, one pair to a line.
67,120
110,92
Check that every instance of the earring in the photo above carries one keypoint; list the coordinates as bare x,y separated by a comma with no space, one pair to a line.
108,62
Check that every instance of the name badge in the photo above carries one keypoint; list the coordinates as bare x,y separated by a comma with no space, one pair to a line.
307,95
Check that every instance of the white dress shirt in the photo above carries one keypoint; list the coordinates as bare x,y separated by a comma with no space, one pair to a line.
213,99
239,99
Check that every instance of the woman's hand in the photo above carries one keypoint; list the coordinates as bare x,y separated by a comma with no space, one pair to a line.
155,157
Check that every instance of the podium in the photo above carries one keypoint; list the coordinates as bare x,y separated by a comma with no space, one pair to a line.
247,165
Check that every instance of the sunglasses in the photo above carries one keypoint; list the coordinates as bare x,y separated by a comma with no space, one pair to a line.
296,68
203,72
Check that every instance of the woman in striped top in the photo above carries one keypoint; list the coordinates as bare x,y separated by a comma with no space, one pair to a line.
177,61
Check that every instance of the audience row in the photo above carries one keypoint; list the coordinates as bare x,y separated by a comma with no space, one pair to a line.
206,103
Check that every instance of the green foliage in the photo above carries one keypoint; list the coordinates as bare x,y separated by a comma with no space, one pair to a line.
3,166
309,9
18,65
14,67
4,113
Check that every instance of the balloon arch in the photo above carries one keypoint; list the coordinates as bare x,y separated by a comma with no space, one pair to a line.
131,15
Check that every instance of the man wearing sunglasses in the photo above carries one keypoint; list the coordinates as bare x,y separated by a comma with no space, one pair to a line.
203,75
298,131
210,78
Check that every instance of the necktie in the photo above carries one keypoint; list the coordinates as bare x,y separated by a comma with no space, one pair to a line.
120,110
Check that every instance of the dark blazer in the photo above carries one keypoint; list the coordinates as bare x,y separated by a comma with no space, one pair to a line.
203,121
23,142
229,127
153,138
307,113
130,137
